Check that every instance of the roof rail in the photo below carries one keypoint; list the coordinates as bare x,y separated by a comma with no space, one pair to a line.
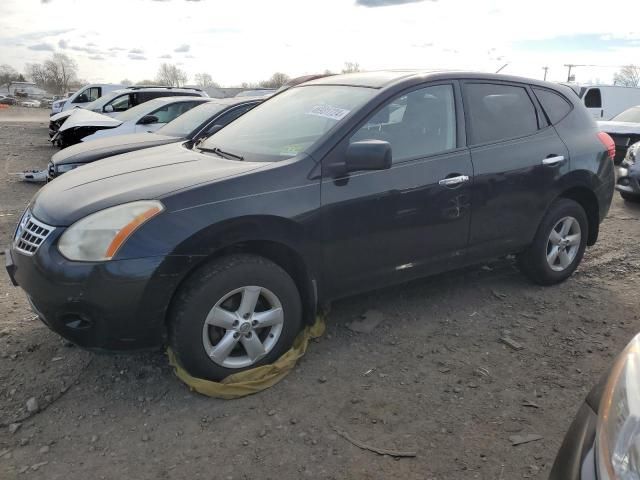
168,87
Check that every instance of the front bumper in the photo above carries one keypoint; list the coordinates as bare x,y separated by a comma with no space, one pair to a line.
115,305
628,180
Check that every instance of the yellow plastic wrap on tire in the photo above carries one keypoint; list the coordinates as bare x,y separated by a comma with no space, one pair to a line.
256,379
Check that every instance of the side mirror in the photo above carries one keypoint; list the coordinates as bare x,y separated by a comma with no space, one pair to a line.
148,119
108,108
368,155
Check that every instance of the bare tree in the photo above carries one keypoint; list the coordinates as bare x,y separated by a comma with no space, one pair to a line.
277,80
126,81
628,76
351,67
205,80
171,75
38,74
61,70
9,74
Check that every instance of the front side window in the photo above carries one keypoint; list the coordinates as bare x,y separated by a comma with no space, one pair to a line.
416,124
289,123
169,112
191,121
498,112
593,98
121,104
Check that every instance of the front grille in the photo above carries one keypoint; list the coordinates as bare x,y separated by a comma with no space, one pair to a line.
30,234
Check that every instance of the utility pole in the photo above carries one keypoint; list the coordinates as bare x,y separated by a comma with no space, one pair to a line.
546,69
569,66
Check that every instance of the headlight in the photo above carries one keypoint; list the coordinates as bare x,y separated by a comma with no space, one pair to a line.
99,236
66,167
618,433
632,154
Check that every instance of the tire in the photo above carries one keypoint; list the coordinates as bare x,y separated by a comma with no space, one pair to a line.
630,197
535,263
208,315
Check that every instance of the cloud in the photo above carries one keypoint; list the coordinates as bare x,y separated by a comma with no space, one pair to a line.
137,51
62,43
135,56
385,3
117,49
45,1
189,56
165,56
42,47
183,48
96,57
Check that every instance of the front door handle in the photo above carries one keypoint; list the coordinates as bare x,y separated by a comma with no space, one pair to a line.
453,181
553,160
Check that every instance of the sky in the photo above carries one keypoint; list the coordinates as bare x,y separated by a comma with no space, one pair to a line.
248,40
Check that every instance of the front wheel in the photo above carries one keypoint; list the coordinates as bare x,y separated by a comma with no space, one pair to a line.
236,313
558,245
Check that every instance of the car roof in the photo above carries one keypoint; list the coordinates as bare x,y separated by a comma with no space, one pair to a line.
386,78
177,98
230,101
156,89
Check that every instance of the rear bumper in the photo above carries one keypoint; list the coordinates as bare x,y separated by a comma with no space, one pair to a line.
116,305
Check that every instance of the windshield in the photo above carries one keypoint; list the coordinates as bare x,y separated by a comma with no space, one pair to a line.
632,115
188,122
289,123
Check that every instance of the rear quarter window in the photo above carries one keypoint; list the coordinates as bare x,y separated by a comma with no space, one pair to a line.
555,105
498,112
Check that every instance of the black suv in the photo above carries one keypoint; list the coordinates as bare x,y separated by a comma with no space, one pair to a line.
336,186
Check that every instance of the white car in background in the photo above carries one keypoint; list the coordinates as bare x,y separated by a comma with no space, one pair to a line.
85,125
83,96
30,103
624,129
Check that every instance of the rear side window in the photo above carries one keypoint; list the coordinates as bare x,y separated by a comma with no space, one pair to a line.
593,99
554,104
498,112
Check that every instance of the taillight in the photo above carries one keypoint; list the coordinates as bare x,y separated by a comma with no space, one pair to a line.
609,144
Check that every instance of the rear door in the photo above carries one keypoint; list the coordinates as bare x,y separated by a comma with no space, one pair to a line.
381,227
517,160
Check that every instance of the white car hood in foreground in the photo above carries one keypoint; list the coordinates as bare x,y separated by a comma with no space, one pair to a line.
87,118
620,127
62,115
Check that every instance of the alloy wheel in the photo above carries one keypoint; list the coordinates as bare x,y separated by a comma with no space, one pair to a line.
563,244
243,327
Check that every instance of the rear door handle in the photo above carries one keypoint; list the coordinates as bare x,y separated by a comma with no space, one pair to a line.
453,181
551,161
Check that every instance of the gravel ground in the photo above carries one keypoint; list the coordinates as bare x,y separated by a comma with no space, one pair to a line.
432,377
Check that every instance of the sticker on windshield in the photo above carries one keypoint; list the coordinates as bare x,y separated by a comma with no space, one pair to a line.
292,150
328,111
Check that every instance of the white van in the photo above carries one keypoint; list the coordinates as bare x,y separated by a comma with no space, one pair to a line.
84,95
606,101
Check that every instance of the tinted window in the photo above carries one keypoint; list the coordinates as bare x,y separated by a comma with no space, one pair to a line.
191,121
498,112
593,99
416,124
230,116
553,104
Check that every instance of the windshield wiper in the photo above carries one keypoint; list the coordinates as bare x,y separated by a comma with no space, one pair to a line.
221,153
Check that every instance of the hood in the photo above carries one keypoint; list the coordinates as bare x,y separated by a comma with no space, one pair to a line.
144,175
62,115
108,147
87,118
620,127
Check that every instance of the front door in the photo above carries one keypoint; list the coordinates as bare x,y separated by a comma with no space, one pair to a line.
380,227
517,159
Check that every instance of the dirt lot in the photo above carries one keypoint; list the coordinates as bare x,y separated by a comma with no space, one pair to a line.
432,377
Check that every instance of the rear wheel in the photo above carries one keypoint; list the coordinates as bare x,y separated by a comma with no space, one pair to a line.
236,313
558,245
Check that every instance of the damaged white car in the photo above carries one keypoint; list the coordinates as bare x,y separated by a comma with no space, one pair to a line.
85,125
